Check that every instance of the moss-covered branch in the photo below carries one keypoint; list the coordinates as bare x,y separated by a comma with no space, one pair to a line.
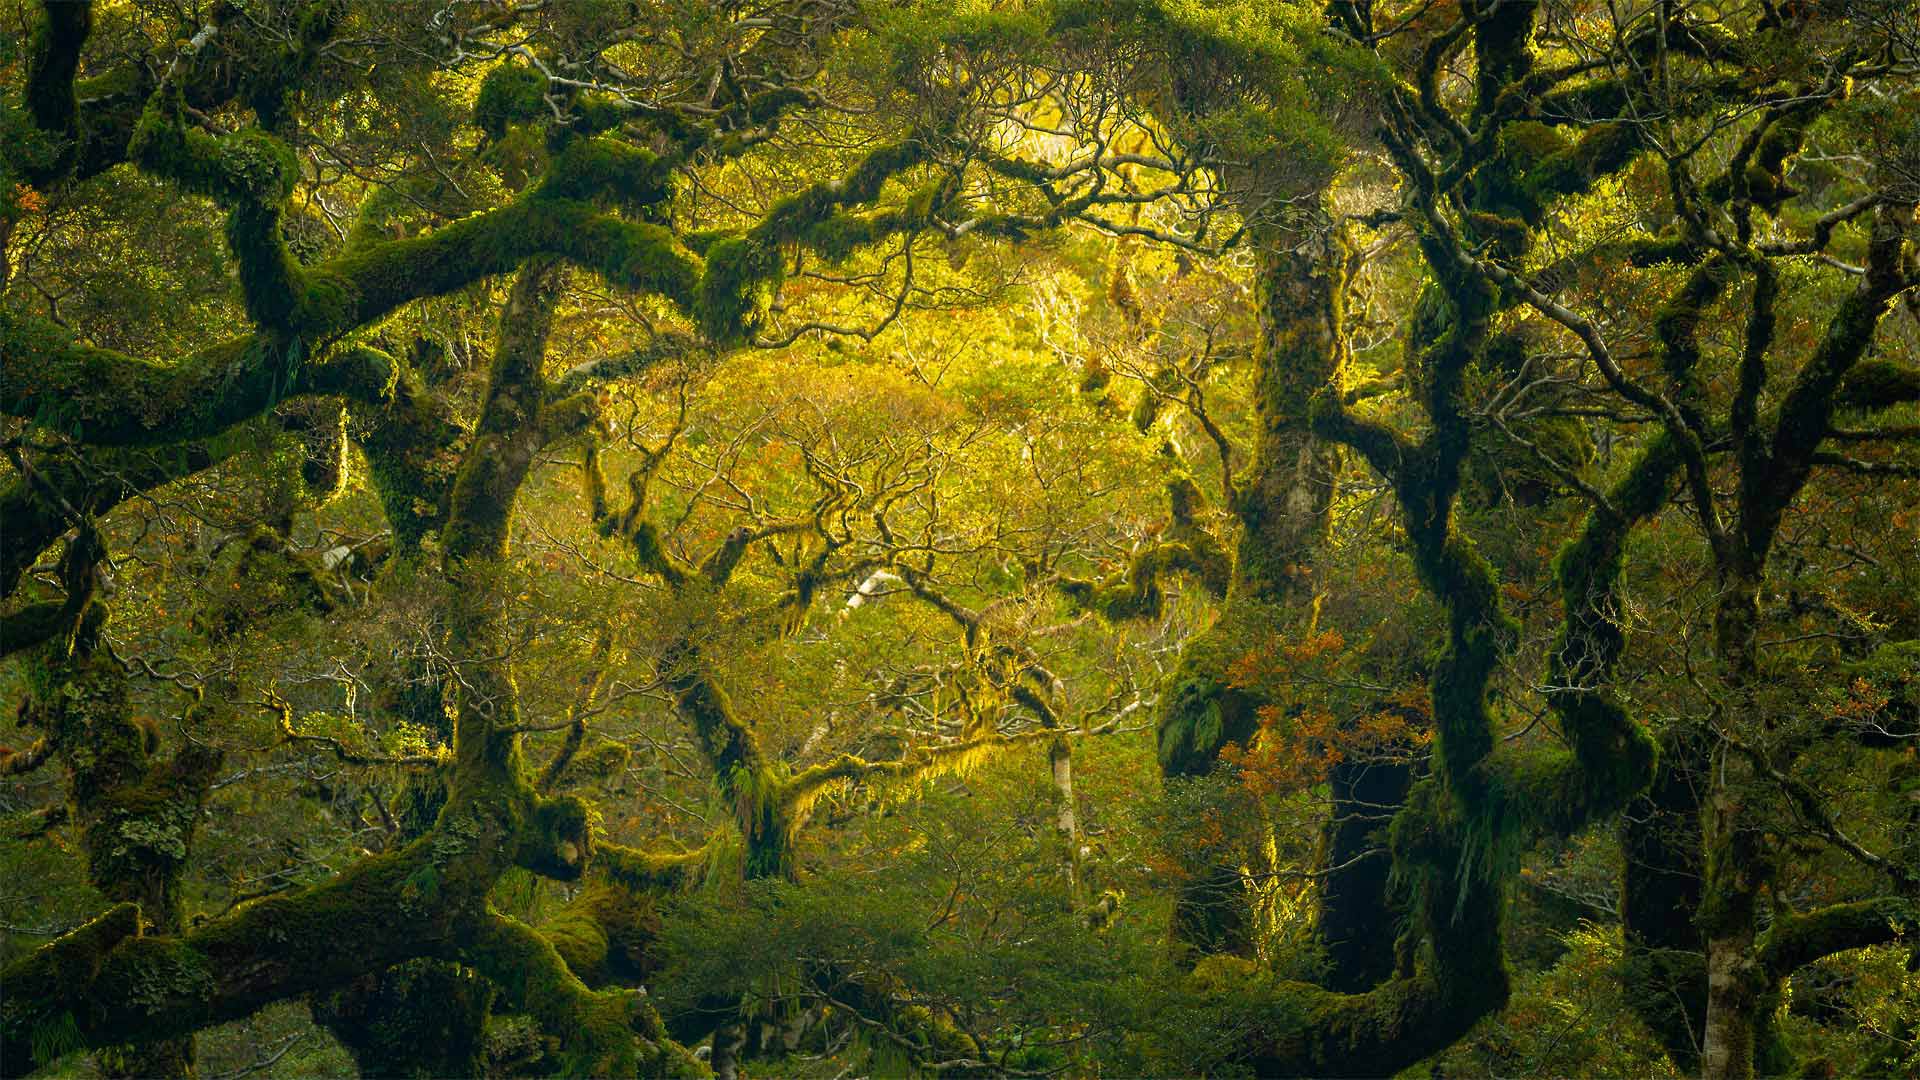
1613,756
599,1033
102,397
920,763
1796,939
131,987
636,869
412,442
741,270
1183,546
1872,385
107,398
32,625
248,172
1804,416
94,481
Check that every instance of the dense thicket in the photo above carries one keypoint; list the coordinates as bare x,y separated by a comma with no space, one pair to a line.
599,537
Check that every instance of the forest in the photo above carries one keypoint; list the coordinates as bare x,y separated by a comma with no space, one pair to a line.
960,538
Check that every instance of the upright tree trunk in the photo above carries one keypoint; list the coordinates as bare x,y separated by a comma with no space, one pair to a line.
1060,760
1356,921
1738,1034
1283,507
1660,894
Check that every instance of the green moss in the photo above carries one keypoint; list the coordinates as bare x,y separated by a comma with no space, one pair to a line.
37,1019
606,934
1878,384
510,94
54,58
1500,470
104,397
589,168
1135,592
247,166
1203,709
595,113
258,579
1764,178
414,1021
1146,409
738,277
603,1033
558,841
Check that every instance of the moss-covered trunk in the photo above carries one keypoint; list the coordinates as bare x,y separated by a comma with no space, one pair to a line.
136,812
421,1020
1356,918
113,982
742,774
1776,458
1283,508
1736,1043
1661,883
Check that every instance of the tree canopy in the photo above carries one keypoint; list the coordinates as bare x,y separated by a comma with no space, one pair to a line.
1070,537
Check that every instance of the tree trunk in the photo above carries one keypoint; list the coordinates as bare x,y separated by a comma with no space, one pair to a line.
1660,896
1060,757
1283,507
420,1020
1736,852
137,814
1356,915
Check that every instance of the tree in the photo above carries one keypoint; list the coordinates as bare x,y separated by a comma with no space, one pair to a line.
1410,299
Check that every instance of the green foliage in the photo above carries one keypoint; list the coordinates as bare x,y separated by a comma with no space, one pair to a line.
873,589
857,945
56,1038
1571,1017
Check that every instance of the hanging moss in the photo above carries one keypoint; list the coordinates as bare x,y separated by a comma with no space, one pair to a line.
411,443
